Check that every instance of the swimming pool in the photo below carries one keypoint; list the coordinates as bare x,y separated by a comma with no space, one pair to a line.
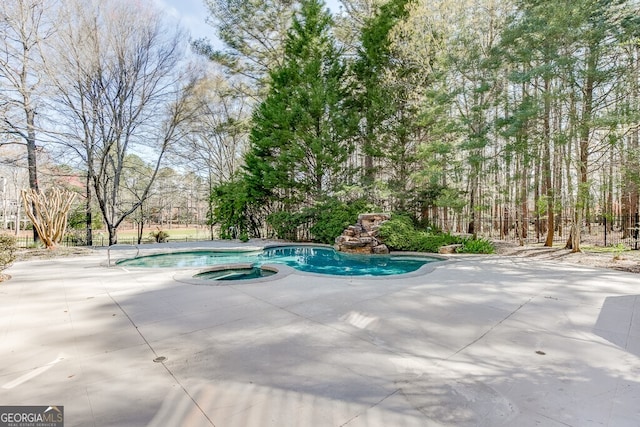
312,259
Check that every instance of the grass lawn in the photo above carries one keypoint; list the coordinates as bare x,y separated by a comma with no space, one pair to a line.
130,236
174,233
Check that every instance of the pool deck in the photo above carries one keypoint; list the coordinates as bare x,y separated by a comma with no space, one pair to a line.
478,341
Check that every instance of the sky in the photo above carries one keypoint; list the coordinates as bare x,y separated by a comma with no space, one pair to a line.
192,14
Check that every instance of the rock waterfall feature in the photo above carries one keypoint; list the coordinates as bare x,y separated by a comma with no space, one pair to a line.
362,238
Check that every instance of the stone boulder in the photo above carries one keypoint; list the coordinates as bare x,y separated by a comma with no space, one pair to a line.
362,238
449,249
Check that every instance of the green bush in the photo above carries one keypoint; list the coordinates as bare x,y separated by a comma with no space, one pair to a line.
230,208
331,217
328,219
78,218
8,249
427,242
285,224
477,246
400,234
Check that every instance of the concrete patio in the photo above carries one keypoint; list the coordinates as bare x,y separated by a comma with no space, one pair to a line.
478,341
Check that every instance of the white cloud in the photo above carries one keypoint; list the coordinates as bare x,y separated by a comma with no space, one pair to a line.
191,14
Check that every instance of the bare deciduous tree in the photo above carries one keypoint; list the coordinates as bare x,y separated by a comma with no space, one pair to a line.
120,91
217,135
23,27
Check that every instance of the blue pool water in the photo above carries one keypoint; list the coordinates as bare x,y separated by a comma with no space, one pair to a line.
303,258
234,274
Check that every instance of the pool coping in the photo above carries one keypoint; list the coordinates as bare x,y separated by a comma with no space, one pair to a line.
187,274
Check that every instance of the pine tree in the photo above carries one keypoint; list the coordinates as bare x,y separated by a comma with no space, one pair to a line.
300,136
533,43
374,58
387,96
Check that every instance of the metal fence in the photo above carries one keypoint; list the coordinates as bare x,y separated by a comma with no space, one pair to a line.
601,231
101,241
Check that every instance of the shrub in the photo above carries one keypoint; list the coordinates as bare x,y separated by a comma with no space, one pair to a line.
76,237
328,219
427,242
8,249
78,219
400,234
160,236
285,224
477,246
617,251
230,208
331,217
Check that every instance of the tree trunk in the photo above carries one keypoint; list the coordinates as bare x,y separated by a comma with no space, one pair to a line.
32,157
608,211
536,197
631,166
471,229
139,231
113,234
88,216
546,165
583,154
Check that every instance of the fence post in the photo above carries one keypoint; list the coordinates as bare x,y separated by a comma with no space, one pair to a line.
636,232
605,231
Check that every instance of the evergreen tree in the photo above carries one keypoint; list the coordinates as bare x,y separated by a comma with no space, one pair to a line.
534,47
570,56
299,140
253,33
387,97
374,58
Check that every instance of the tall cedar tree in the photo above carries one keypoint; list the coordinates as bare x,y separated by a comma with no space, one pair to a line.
388,100
299,140
374,57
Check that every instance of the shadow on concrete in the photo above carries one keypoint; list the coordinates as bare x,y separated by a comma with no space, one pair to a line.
485,342
619,322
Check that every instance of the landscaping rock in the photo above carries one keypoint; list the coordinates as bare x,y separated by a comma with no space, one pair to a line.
449,249
381,250
361,238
